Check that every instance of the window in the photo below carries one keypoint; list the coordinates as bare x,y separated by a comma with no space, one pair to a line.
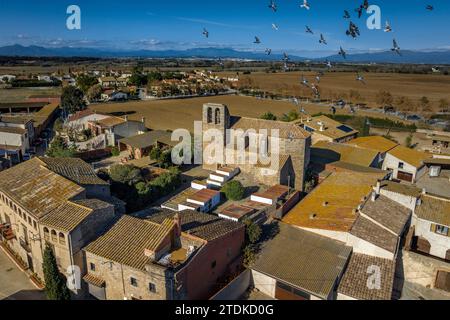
209,115
401,165
92,266
54,238
152,287
133,282
442,230
62,238
34,225
217,116
46,234
213,264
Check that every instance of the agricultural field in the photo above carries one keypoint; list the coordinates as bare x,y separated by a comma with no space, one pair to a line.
333,84
181,113
21,94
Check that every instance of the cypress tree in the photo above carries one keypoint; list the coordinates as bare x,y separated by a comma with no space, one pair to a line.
55,284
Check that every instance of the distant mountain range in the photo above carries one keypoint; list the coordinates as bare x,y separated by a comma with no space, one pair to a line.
416,57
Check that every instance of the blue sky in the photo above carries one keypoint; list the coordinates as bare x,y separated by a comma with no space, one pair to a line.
178,24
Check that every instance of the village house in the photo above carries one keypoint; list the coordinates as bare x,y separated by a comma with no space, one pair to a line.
14,141
322,128
116,128
60,202
294,146
431,222
406,164
139,146
351,209
300,265
169,256
112,82
376,143
323,153
437,180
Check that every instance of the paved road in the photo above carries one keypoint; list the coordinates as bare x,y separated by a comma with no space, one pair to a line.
14,284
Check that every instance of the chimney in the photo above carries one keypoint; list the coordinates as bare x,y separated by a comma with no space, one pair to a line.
374,196
321,126
143,120
378,188
177,221
424,191
126,118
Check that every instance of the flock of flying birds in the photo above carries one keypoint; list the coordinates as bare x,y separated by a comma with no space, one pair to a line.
352,31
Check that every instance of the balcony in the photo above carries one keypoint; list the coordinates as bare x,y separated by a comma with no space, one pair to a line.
6,232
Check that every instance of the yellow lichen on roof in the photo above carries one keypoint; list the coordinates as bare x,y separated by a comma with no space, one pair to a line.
345,153
377,143
411,156
331,205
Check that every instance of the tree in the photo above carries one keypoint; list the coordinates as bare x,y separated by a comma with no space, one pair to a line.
404,103
290,116
72,100
85,82
384,98
55,283
408,141
94,93
444,105
155,153
234,190
125,174
365,129
424,104
59,149
269,116
253,232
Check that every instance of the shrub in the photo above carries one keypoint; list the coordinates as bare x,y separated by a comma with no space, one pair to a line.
126,174
269,116
115,151
234,190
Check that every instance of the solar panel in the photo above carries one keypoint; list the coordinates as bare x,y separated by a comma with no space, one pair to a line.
345,128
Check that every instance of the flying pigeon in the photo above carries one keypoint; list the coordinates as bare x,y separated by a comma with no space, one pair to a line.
388,27
275,27
322,39
396,48
205,33
343,53
273,6
308,30
305,5
268,51
346,14
257,41
360,78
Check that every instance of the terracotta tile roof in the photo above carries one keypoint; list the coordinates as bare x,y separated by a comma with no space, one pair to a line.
303,259
74,169
110,122
331,204
16,119
376,143
237,211
71,213
356,277
400,188
331,127
80,114
434,209
66,217
340,165
413,157
94,280
150,139
287,130
371,232
330,152
36,188
127,240
204,226
388,213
